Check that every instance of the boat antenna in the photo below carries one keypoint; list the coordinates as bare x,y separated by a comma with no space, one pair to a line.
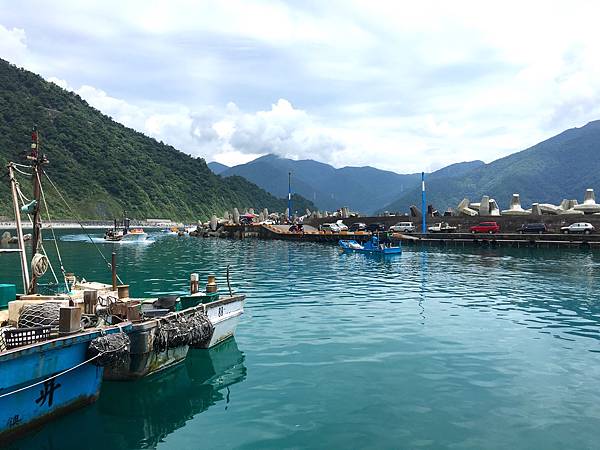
38,159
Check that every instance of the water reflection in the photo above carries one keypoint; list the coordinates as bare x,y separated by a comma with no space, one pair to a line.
143,413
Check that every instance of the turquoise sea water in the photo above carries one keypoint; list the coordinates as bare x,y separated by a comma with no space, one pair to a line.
436,348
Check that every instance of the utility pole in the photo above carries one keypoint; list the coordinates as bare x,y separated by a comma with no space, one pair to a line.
423,205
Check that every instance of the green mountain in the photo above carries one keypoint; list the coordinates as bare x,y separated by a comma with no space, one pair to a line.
560,167
364,189
103,167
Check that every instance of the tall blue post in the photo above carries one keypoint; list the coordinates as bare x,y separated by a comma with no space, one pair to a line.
423,205
290,196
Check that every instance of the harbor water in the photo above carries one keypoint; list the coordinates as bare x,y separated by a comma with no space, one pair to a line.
435,348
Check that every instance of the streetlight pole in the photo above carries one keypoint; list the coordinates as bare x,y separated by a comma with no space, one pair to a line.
290,196
423,205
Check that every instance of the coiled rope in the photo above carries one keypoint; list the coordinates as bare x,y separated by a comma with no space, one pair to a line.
39,264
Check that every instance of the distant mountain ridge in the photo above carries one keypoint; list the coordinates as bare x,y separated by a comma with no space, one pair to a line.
560,167
216,167
364,189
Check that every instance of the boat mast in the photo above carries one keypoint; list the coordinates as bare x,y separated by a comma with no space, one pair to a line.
37,161
13,188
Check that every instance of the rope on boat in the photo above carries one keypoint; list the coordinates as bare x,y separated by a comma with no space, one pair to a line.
51,378
24,388
39,264
80,224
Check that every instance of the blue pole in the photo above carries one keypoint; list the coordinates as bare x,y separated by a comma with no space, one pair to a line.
290,196
423,204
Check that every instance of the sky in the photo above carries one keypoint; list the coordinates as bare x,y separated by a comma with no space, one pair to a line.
402,86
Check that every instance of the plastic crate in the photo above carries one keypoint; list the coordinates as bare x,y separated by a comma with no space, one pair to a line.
18,337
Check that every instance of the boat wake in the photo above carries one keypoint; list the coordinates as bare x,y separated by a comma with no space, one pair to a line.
101,240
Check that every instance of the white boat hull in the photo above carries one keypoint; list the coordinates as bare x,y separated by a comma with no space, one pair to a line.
224,314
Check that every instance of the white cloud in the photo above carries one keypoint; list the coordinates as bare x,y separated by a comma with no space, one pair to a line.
13,45
399,85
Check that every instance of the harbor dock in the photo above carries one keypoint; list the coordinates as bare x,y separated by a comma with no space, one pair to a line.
455,239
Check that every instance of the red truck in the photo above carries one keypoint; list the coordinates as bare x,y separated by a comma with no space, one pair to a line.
485,227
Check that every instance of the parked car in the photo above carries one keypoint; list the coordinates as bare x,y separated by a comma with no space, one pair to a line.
403,227
358,226
331,227
375,227
579,227
533,228
442,227
341,225
485,227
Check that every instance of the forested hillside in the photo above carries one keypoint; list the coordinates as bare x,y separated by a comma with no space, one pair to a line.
104,167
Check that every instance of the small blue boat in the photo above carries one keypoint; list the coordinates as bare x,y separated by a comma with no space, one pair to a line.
373,246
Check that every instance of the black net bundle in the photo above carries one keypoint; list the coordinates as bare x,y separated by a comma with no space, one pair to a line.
201,330
171,333
46,314
112,348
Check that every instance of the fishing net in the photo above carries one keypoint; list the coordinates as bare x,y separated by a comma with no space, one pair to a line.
171,333
40,315
201,330
112,348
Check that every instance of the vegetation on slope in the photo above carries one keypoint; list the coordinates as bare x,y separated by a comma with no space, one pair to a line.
104,167
563,166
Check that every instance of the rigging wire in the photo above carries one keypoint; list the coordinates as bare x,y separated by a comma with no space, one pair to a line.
80,224
22,172
23,199
60,261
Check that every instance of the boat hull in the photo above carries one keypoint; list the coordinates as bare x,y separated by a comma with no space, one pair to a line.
353,246
144,358
22,367
225,315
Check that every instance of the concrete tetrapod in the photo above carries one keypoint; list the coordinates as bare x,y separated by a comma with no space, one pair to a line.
589,205
515,207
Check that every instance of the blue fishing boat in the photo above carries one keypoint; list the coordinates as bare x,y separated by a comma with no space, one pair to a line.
51,357
373,246
43,380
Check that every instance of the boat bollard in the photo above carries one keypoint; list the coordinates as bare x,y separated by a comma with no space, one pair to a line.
90,298
194,283
211,286
123,291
